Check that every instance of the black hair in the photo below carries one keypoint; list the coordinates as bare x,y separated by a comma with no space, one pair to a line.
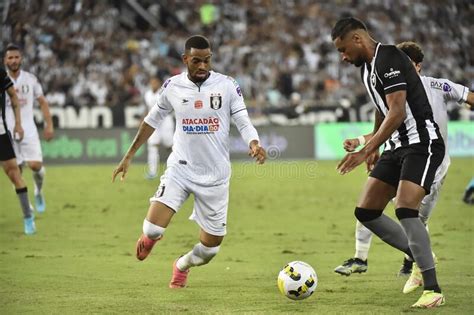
10,47
345,25
198,42
413,50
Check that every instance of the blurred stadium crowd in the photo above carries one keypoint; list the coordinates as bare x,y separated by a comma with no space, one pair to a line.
89,53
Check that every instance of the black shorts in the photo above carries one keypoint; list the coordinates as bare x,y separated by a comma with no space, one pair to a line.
416,163
6,147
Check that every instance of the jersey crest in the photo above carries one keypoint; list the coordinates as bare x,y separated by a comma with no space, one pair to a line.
216,101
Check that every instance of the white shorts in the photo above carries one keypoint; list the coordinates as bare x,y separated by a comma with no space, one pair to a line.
28,149
210,202
164,133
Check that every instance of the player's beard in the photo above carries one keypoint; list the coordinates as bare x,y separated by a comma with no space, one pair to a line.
14,68
358,62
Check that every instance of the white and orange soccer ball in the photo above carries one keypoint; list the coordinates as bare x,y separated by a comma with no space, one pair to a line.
297,280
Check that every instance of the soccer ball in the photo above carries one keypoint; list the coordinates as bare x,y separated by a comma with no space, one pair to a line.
297,280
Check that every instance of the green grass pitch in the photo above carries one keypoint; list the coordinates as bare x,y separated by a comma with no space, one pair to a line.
82,258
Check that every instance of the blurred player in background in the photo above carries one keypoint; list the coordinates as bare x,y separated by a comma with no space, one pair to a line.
204,102
440,93
414,149
28,150
163,135
7,154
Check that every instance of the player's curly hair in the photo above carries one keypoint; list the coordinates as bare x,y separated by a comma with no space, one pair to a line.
198,42
413,50
345,25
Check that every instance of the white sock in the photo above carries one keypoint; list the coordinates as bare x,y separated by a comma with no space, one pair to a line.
199,255
39,178
153,159
363,238
152,231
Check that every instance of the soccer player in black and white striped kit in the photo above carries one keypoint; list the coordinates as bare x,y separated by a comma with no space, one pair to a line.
7,154
413,148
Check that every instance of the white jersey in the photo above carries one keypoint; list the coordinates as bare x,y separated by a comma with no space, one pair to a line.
203,115
28,90
440,93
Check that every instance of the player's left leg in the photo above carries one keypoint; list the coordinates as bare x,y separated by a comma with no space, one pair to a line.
419,165
38,176
33,156
210,212
427,205
201,254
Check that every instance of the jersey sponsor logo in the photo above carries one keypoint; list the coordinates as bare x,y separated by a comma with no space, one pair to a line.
185,101
200,125
443,86
198,104
392,74
216,101
239,91
446,87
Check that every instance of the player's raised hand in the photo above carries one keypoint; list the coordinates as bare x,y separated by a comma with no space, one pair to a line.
257,152
350,144
121,168
350,161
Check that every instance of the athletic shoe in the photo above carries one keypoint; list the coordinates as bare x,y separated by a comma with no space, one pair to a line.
406,268
179,278
30,227
414,281
430,299
144,246
40,203
352,265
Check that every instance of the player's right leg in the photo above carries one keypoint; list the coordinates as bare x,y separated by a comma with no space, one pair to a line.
166,201
7,157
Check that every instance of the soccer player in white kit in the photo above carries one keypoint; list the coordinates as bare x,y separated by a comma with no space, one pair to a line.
204,102
28,150
163,135
440,92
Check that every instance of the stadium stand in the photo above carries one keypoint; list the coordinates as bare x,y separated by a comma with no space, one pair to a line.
101,53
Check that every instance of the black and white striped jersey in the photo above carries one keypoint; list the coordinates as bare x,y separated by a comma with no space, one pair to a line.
391,70
5,83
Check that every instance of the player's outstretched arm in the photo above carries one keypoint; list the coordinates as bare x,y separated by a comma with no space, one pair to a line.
257,152
48,121
144,132
18,129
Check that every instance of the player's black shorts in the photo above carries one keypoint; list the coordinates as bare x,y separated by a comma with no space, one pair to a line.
416,163
6,147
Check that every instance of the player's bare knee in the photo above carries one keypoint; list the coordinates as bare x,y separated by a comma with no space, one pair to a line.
35,166
203,254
